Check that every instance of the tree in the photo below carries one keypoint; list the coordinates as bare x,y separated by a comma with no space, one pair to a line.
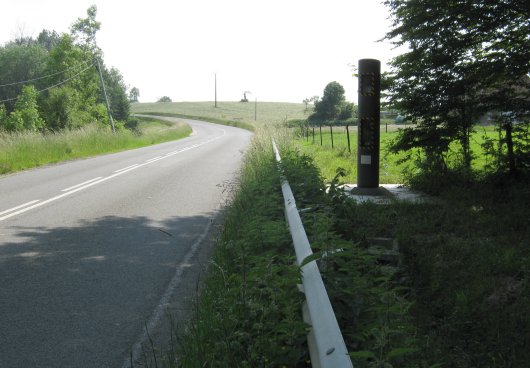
71,69
26,113
19,62
309,100
134,93
462,56
84,29
164,99
48,39
116,93
329,108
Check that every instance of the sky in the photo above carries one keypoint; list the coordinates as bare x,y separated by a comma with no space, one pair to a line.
279,50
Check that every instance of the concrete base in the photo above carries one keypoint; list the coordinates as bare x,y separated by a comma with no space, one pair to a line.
381,191
386,193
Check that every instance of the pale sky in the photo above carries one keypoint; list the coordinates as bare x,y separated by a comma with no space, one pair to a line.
280,50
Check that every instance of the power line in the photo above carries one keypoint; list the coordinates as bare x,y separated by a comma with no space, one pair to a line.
43,77
55,85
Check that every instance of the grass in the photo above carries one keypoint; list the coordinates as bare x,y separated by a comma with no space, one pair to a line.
236,112
249,312
328,159
467,264
391,171
20,151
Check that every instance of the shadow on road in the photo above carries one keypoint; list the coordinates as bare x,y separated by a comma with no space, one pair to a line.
80,296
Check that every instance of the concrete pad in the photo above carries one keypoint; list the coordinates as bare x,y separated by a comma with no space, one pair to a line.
385,194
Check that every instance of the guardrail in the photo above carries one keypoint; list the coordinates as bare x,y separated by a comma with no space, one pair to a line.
326,345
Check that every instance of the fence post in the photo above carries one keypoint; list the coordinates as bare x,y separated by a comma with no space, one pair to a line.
348,135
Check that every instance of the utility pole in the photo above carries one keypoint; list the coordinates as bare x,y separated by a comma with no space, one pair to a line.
105,94
256,109
215,89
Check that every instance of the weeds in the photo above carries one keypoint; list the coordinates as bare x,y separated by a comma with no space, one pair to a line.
19,151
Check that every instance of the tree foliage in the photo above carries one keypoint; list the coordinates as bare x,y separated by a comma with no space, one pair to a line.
332,108
164,99
465,58
134,93
55,77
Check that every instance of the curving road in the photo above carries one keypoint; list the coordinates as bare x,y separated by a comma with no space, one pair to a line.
91,250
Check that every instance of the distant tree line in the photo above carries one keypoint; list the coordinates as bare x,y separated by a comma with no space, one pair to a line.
52,82
467,61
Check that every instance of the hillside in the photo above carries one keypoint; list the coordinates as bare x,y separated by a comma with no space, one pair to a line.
267,112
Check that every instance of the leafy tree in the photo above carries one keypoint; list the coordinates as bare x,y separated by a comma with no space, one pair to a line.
465,58
333,106
48,39
84,29
134,93
71,68
3,116
19,62
164,99
309,100
116,93
26,113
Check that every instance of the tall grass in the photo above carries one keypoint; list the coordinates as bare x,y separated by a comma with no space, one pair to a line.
249,312
24,150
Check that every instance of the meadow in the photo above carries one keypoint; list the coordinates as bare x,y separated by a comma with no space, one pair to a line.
262,113
329,156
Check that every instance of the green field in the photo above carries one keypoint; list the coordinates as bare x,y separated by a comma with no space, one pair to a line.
329,158
266,112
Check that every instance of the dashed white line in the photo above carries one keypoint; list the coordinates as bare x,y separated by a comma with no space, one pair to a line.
17,207
81,184
153,159
125,168
76,188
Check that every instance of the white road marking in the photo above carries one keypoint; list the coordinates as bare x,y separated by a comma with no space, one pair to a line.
153,159
17,207
76,188
81,184
125,168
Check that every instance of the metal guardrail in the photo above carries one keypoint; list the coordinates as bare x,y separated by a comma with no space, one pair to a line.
326,345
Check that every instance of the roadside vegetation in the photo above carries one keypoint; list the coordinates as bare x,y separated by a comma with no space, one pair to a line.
459,294
24,150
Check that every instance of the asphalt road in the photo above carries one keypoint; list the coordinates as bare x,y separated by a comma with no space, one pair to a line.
92,249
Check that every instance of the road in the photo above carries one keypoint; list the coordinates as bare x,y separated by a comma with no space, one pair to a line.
91,250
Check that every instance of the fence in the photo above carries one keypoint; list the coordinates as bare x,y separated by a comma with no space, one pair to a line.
326,345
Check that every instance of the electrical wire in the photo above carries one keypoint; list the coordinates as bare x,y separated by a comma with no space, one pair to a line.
55,85
43,77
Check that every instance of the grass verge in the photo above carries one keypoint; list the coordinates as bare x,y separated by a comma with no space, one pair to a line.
19,151
249,312
467,265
